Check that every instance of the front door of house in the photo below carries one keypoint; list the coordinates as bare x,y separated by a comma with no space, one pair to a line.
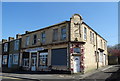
33,65
76,64
104,59
10,61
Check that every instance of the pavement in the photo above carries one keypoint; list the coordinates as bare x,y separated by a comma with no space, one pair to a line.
101,73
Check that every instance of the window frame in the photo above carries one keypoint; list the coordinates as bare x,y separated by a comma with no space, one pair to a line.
55,34
34,39
14,58
5,47
63,33
85,33
16,44
27,40
4,60
43,37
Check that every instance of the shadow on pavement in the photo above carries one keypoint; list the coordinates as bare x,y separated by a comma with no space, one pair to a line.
115,76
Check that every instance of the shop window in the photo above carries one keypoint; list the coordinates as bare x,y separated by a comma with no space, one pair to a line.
76,50
25,62
4,59
43,59
15,58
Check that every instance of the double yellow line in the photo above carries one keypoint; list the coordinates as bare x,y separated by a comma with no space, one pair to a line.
5,77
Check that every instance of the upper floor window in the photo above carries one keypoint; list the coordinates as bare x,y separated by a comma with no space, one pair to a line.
63,33
85,33
105,46
43,37
90,37
5,47
93,37
16,45
27,40
101,43
34,39
55,34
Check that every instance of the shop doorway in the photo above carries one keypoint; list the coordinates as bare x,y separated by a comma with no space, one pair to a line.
33,61
76,64
33,65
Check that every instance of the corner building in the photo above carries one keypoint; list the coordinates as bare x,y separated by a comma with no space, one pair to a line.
69,46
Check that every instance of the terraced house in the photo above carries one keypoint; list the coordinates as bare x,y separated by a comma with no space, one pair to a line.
11,53
69,46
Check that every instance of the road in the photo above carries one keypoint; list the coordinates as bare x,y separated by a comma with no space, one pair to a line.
104,74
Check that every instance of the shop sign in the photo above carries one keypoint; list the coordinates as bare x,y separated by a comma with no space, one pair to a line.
34,49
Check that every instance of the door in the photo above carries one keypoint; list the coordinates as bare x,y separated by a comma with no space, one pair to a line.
10,61
33,65
76,64
104,59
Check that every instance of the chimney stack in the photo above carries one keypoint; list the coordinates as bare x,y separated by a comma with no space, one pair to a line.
18,36
10,38
4,40
27,32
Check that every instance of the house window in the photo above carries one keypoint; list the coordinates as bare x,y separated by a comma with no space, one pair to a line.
27,40
93,37
34,39
85,33
43,59
76,50
101,43
25,62
43,37
105,46
4,59
5,47
100,57
15,58
90,37
63,34
16,45
55,34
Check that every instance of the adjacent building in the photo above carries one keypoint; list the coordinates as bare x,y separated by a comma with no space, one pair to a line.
68,46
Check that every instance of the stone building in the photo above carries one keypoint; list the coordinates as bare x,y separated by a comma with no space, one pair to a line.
69,46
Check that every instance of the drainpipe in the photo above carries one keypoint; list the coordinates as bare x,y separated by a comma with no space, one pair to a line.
69,37
97,52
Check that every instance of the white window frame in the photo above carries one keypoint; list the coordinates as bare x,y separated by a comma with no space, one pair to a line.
85,34
27,40
25,59
63,33
5,47
15,58
43,37
4,60
43,57
16,45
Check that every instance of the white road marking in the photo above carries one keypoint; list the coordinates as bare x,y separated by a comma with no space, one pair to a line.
106,68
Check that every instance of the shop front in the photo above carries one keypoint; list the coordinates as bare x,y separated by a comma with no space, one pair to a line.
35,59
